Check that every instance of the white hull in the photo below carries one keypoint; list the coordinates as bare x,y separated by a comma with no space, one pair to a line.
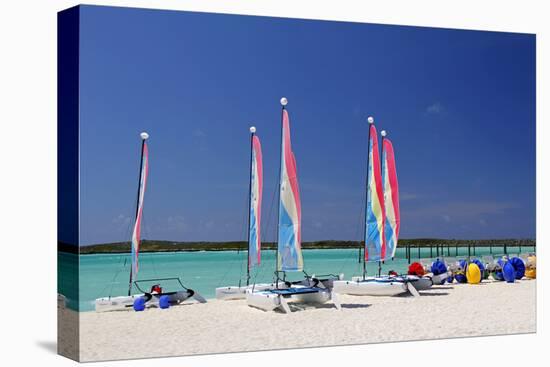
127,302
420,283
370,287
266,301
437,279
323,296
115,303
236,292
269,301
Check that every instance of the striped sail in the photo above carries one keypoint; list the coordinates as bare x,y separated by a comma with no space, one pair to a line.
136,236
289,254
391,198
256,178
374,230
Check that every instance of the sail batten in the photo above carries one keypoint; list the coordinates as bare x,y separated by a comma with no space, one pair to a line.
256,182
391,198
375,247
136,235
289,254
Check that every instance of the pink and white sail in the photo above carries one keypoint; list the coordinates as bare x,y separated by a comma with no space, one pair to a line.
290,213
136,235
256,182
391,198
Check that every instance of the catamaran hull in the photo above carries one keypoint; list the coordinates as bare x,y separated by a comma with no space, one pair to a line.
263,300
269,301
312,298
420,283
127,302
236,292
369,287
440,278
115,303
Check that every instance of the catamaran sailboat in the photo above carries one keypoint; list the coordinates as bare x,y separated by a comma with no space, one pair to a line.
289,252
392,214
153,296
381,225
254,225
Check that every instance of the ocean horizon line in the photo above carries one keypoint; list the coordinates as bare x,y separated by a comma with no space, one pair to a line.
151,246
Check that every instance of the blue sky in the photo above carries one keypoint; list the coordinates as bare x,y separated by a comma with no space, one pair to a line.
459,107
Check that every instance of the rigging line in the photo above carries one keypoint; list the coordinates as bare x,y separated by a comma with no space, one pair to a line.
244,235
237,259
257,271
243,223
222,279
120,268
127,234
266,226
151,255
230,266
352,253
111,283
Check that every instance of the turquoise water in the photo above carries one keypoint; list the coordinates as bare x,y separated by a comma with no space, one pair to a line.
107,274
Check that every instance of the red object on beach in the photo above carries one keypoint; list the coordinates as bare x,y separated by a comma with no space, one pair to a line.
416,269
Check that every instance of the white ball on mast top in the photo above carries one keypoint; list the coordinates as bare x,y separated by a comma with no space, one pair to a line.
144,135
370,119
383,133
252,129
284,101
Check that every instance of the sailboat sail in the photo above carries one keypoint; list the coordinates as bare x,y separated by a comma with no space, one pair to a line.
391,198
256,176
136,236
375,246
289,254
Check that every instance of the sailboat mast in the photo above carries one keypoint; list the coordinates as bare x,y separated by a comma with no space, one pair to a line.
252,132
284,102
370,120
144,137
381,261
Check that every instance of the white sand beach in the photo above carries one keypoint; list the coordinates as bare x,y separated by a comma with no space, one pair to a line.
449,311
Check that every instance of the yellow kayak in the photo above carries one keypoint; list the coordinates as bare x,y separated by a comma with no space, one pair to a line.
473,274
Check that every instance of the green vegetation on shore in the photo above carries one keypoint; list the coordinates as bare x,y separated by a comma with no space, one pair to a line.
171,246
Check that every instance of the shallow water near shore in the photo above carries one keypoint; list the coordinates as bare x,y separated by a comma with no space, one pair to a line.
104,275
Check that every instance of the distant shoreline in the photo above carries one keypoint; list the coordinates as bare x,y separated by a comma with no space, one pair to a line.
174,246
